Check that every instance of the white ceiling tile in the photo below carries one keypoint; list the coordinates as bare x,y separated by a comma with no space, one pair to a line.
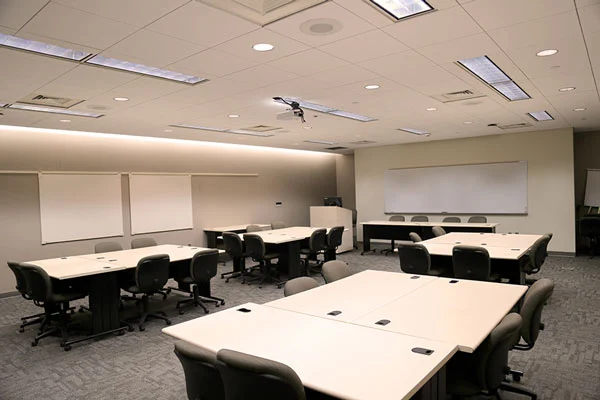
349,24
593,44
56,42
134,12
549,85
493,14
262,75
307,62
77,26
449,24
207,91
15,13
7,31
366,46
137,91
20,117
152,48
242,46
459,49
366,11
585,3
401,67
202,24
344,75
590,19
212,62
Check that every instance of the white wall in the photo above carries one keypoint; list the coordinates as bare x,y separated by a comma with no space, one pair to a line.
550,177
346,180
298,179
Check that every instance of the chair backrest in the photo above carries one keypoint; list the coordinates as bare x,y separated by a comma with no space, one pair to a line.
152,273
253,228
420,218
255,246
334,270
451,219
249,377
589,226
233,244
415,237
334,237
38,284
397,218
143,242
105,247
471,262
538,254
531,310
278,225
438,231
318,240
478,219
354,216
298,285
204,265
414,259
21,283
492,355
202,378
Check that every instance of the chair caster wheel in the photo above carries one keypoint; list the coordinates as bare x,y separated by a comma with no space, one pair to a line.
168,322
130,329
21,330
34,343
181,312
121,332
222,302
67,347
142,329
517,378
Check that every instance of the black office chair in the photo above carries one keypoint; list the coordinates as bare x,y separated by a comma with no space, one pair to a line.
419,218
249,377
354,222
589,228
105,247
438,231
483,371
201,270
149,277
138,243
334,240
451,219
40,289
537,257
255,246
478,219
235,248
472,262
202,378
415,259
415,237
298,285
316,245
335,270
393,244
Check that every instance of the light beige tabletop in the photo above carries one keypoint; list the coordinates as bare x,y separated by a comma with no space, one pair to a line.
354,296
433,223
502,253
343,360
486,239
234,228
462,313
285,235
73,267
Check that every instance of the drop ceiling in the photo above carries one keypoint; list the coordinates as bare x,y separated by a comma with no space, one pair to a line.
413,61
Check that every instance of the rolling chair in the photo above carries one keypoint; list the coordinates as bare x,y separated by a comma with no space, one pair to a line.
316,245
472,262
393,245
202,269
202,378
415,237
438,231
255,246
478,219
483,371
249,377
419,218
415,259
451,219
22,289
335,270
354,222
105,247
590,228
150,275
278,225
537,257
138,243
334,240
253,228
40,289
235,248
298,285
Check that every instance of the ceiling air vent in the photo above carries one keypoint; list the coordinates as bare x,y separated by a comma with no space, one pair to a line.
261,128
362,142
515,126
49,101
336,148
466,94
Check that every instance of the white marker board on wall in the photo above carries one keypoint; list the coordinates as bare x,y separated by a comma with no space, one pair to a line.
160,203
80,206
592,188
495,188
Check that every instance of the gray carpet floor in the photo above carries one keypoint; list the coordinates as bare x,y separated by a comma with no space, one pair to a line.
564,365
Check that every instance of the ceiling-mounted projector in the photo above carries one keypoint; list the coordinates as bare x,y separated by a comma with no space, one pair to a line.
291,113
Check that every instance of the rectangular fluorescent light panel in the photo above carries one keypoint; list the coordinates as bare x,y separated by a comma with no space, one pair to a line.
42,48
415,131
52,110
541,116
234,131
350,115
400,9
487,71
327,110
320,142
249,133
144,70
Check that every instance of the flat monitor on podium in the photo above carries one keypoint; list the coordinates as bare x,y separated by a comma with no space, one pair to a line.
332,201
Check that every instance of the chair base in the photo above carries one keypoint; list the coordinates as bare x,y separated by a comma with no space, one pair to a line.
198,300
143,318
519,390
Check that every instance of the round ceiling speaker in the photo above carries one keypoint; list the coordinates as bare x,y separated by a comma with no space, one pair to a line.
321,26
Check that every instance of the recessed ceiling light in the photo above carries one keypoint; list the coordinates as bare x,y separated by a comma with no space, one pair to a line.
233,115
431,109
120,99
168,130
371,87
42,48
545,53
579,109
263,47
467,122
307,127
65,120
566,89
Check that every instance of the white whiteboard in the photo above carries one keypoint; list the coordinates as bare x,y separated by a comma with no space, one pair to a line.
498,188
80,206
592,188
160,203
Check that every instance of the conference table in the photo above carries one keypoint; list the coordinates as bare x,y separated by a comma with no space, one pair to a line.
100,271
509,253
212,234
399,230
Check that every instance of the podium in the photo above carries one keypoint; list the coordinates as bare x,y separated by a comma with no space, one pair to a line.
330,216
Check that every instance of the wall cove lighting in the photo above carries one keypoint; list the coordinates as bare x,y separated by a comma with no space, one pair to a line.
42,48
399,9
485,69
28,107
540,116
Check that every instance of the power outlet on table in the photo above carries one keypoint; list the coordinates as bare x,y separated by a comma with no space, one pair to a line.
278,203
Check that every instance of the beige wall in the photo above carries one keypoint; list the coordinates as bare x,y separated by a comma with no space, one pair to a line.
298,179
550,177
587,156
346,187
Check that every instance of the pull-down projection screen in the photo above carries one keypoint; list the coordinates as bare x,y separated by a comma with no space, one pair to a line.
497,188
